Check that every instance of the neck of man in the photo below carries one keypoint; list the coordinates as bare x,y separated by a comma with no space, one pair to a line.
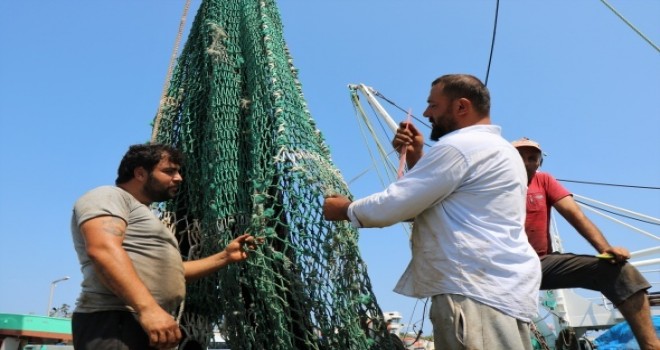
135,189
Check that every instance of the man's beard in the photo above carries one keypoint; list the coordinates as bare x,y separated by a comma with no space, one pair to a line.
446,124
156,192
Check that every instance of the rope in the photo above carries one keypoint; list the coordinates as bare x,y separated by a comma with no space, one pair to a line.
404,148
539,336
177,42
418,333
360,114
388,167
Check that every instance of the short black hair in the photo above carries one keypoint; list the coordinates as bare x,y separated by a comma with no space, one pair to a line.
456,86
146,156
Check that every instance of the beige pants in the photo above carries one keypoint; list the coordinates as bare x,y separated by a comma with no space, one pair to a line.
461,323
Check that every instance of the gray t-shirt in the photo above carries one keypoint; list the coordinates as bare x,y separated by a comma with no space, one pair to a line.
150,245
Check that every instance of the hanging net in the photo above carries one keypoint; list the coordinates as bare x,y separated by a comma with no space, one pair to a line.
255,162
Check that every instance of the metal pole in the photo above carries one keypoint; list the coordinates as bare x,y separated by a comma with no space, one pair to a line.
52,290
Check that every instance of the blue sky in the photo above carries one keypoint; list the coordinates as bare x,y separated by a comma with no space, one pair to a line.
81,80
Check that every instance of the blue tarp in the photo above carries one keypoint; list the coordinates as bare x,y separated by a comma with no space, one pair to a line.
620,337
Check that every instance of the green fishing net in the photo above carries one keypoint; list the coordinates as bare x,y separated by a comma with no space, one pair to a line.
255,162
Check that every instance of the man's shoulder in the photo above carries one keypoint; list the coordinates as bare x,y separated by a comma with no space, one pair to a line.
106,190
544,177
539,182
473,133
550,185
473,138
103,194
105,200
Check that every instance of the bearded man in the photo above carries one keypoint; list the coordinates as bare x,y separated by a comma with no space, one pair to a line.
133,274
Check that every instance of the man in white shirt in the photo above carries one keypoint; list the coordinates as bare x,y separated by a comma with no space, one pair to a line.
467,197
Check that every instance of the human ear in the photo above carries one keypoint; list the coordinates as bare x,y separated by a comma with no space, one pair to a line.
140,173
462,105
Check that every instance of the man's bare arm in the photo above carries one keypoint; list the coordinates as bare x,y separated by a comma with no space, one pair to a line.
103,242
569,209
234,252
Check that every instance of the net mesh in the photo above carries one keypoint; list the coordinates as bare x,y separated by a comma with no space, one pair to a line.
255,162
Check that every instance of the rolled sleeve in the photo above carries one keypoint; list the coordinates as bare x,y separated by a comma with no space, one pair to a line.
351,216
436,175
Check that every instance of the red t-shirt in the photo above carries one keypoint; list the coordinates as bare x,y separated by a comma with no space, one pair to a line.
543,192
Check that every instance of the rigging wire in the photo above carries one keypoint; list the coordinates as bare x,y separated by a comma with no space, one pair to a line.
620,222
492,43
376,93
631,25
617,214
610,184
619,210
383,128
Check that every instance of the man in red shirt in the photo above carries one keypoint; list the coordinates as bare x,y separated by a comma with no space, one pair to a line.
618,280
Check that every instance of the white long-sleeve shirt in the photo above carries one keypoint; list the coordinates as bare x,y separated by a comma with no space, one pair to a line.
467,195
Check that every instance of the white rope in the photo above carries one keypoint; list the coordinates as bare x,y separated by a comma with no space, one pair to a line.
390,169
168,77
363,122
388,166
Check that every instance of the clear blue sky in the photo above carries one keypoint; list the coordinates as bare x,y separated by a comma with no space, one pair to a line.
81,80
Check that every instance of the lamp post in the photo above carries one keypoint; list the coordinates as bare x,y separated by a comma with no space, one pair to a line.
52,290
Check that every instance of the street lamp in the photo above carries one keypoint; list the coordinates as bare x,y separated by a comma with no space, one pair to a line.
52,290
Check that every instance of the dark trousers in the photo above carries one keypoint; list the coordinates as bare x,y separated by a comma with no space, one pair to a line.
108,330
616,281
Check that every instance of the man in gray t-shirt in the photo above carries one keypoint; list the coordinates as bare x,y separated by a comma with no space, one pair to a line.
161,262
133,274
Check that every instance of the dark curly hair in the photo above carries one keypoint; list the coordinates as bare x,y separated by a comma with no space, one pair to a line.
146,156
